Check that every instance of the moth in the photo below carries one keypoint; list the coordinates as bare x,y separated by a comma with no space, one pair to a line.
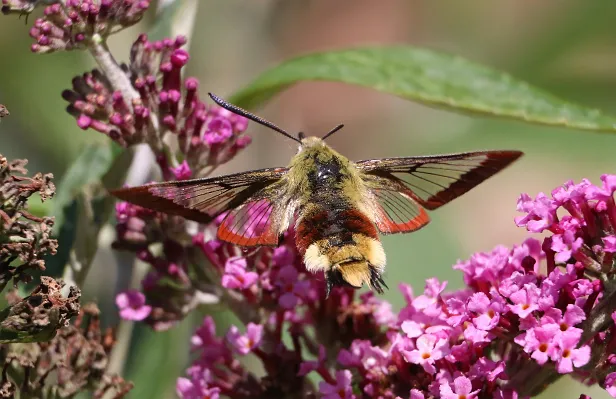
338,207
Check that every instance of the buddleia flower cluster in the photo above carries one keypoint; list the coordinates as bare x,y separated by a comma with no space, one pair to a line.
75,24
166,106
528,315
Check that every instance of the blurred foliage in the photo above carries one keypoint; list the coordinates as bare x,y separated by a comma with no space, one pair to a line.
156,359
428,77
566,53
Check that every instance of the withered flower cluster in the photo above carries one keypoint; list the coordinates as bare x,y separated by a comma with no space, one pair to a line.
38,316
72,362
24,238
4,111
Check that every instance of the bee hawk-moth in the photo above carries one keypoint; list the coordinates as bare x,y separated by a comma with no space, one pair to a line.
338,207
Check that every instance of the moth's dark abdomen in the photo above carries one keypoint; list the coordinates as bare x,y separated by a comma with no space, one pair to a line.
337,226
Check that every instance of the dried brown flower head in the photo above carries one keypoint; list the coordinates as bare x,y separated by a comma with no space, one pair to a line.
4,111
38,316
75,360
24,238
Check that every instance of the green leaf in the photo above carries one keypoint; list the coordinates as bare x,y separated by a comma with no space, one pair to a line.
82,206
158,359
164,21
89,167
431,78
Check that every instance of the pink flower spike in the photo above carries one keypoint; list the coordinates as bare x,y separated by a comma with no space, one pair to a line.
429,349
566,356
417,394
539,342
218,131
463,389
475,335
610,384
342,389
132,305
609,183
236,276
407,292
525,301
182,171
609,244
412,329
541,212
487,313
312,365
566,244
244,344
197,386
187,389
292,289
565,324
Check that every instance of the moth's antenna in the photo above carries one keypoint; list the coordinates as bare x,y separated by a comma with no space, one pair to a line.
334,130
238,111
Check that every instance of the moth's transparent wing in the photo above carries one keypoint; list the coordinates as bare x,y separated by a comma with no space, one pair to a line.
414,183
202,200
436,180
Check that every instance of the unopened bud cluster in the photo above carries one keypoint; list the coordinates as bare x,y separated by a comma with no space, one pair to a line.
75,23
167,106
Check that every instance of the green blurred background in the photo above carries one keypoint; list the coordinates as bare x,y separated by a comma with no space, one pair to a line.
563,46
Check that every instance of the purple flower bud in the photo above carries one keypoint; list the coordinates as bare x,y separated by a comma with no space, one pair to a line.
84,122
218,131
179,58
67,28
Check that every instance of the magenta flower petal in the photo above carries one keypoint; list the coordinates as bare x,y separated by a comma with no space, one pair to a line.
245,343
132,305
416,394
341,390
610,384
610,244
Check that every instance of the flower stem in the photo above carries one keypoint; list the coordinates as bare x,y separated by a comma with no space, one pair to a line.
118,356
111,69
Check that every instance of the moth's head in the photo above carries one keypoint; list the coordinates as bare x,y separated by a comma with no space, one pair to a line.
310,142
